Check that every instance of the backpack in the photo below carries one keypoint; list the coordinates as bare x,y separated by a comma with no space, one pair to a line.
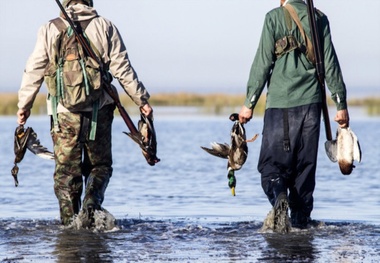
289,43
73,78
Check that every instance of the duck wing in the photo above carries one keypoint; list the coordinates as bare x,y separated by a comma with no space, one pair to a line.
348,150
218,149
34,145
357,150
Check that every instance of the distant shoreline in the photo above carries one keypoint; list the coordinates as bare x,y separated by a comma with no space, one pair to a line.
210,103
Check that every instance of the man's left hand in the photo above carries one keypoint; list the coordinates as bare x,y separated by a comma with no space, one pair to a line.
342,118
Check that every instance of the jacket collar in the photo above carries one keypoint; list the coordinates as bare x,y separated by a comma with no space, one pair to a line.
294,1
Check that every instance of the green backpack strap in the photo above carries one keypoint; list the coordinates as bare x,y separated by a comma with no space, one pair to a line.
95,105
288,19
54,102
309,45
94,120
287,43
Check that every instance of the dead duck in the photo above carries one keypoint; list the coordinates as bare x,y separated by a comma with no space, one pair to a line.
236,152
345,149
146,139
27,139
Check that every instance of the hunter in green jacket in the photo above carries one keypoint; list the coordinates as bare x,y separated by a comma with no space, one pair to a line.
292,78
292,118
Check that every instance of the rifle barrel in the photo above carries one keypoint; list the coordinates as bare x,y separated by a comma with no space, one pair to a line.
319,65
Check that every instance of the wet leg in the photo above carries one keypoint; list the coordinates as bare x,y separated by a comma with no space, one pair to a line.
68,183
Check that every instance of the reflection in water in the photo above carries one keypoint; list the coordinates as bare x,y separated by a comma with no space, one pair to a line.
296,246
81,246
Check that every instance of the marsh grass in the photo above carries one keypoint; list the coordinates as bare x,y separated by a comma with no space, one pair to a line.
8,104
372,105
213,103
217,103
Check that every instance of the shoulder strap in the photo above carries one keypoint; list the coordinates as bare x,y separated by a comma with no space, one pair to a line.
85,23
309,45
60,25
288,19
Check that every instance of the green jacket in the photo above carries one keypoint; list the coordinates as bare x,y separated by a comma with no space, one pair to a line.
292,79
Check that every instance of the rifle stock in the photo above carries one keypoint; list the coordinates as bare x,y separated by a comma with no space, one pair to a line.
319,65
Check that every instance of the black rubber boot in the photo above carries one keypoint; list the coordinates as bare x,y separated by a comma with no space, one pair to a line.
278,187
90,219
299,219
94,196
281,217
94,193
280,206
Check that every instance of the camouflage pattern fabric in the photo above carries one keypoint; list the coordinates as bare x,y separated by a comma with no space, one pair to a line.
91,160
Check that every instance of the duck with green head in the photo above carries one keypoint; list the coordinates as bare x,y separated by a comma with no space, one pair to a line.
236,152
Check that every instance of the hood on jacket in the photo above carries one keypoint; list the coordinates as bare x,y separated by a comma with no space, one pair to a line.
65,3
80,12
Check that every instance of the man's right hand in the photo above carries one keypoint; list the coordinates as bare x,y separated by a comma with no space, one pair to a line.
342,118
22,116
147,110
245,114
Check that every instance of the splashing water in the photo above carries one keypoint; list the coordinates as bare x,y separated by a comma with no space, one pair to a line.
103,221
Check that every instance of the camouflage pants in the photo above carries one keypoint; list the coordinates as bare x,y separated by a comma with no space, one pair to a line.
75,161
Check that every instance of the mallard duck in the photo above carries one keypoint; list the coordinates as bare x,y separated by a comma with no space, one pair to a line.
27,139
146,139
236,152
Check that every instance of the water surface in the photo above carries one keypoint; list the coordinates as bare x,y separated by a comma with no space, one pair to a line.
181,210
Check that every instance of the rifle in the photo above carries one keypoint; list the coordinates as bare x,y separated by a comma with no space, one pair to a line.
319,65
134,134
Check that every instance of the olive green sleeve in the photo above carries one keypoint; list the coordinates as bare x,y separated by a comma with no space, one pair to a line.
262,65
333,72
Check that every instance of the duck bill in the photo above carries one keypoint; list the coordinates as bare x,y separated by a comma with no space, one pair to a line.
233,191
331,150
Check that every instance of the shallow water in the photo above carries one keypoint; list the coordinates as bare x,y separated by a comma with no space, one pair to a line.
182,210
187,240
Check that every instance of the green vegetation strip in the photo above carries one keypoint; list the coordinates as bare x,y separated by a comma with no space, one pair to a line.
212,103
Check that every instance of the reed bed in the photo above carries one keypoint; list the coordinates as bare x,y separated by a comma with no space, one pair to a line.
212,103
